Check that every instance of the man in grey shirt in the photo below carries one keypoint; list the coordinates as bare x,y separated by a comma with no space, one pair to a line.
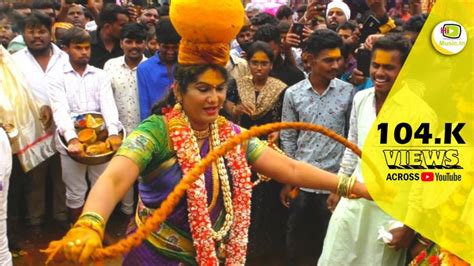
324,100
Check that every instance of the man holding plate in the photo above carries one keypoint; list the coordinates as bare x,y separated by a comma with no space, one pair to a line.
78,89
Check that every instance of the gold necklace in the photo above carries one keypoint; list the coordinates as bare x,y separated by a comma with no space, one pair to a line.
215,185
215,174
201,134
226,191
224,184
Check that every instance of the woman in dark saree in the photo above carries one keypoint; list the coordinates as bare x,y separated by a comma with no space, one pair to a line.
256,100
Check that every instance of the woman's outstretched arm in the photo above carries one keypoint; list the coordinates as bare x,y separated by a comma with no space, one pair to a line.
288,171
111,186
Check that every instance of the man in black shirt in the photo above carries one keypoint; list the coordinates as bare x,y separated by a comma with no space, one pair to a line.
105,41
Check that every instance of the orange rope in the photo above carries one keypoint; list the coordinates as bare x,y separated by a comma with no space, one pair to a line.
159,215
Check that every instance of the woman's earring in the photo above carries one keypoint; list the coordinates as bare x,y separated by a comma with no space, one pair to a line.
178,107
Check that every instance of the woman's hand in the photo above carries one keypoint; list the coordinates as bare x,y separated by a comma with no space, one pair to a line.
360,191
243,108
332,201
285,197
80,244
77,246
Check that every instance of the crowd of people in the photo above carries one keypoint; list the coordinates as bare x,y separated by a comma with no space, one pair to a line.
326,64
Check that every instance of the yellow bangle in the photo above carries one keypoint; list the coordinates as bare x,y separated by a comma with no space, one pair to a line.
340,190
92,221
351,186
93,216
345,185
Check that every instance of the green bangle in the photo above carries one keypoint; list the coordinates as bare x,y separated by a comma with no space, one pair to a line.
94,217
92,221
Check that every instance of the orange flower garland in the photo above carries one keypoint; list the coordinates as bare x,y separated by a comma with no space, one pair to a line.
186,147
166,208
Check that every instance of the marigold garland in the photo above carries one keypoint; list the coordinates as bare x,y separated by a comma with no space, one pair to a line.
167,206
436,256
185,144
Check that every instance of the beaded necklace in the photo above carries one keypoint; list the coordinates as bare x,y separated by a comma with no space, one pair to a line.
236,203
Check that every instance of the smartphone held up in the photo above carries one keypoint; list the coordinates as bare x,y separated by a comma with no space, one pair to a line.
363,58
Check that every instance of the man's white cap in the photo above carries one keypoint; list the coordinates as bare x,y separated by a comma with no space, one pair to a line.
342,6
250,7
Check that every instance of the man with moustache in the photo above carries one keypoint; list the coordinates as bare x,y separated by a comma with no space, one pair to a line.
123,74
76,16
81,88
41,6
39,61
337,13
155,75
324,100
149,17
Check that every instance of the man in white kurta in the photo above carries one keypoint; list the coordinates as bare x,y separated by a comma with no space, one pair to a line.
352,236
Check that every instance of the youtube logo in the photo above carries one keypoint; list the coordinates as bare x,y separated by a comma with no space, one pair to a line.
427,176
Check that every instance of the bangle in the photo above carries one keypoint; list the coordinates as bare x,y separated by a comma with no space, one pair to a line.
422,241
345,185
92,221
342,185
93,216
351,186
